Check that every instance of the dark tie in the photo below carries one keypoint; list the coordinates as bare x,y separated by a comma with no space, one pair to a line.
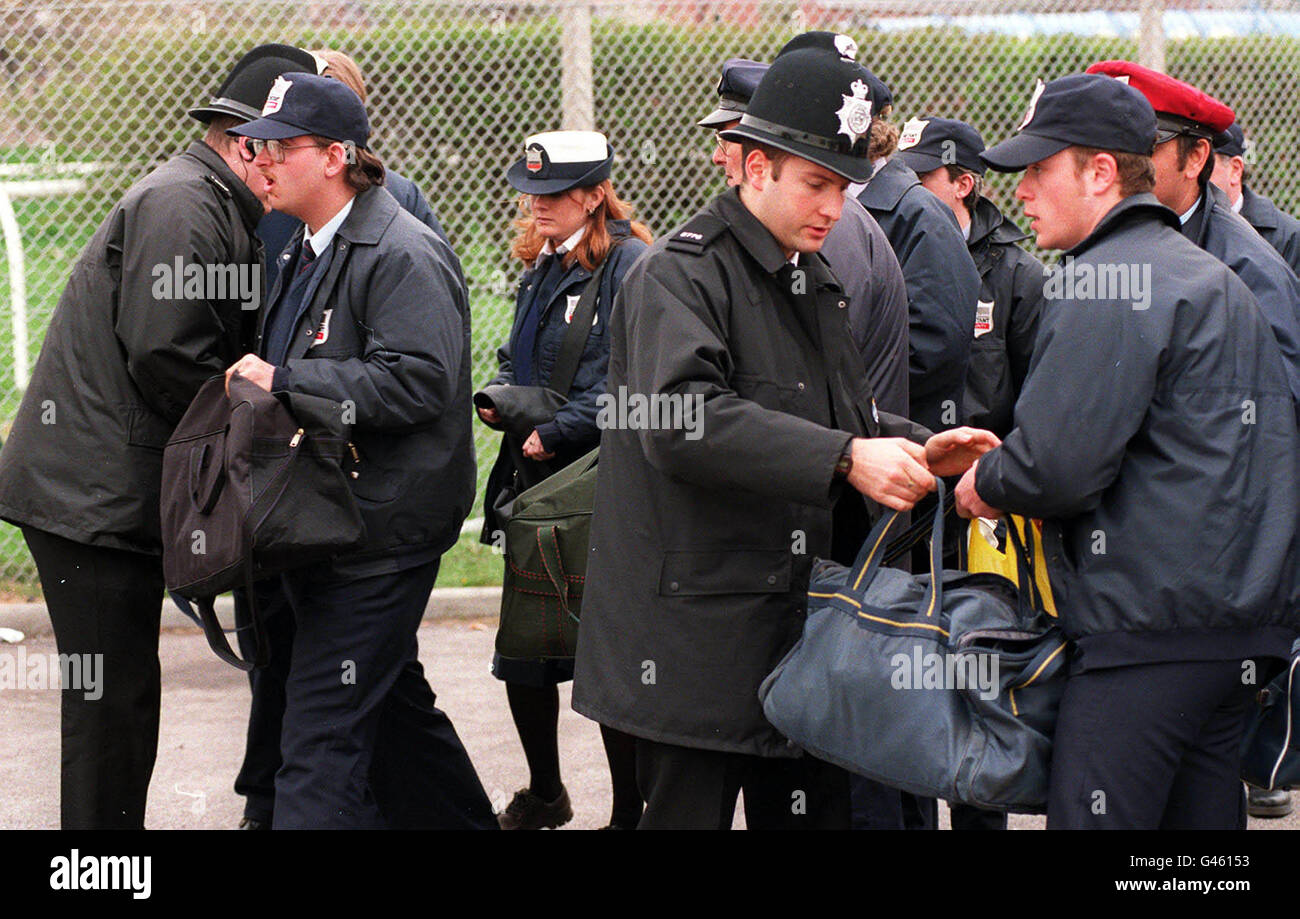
306,258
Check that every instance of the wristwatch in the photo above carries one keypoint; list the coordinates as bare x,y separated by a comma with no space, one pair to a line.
845,463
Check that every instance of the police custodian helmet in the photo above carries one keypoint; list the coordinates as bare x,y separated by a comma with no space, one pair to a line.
244,91
816,104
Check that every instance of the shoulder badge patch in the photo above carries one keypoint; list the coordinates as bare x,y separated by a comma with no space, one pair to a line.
697,234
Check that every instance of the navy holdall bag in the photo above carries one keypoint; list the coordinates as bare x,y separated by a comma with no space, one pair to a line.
944,684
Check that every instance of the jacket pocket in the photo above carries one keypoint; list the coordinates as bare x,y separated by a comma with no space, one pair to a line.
764,392
145,429
713,572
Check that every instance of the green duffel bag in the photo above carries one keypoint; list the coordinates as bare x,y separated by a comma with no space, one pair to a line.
548,536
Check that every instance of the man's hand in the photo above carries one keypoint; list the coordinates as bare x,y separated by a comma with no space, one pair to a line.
890,471
953,452
533,448
489,415
254,369
969,503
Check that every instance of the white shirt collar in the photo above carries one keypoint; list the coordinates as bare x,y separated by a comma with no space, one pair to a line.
794,259
1236,205
1184,217
321,239
562,248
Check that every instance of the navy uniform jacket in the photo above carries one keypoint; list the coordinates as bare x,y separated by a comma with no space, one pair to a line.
862,259
1006,319
702,546
942,288
1280,229
386,329
1160,445
1230,239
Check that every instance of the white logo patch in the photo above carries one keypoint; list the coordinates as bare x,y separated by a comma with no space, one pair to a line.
275,98
847,47
323,333
911,133
855,113
983,317
568,310
1033,105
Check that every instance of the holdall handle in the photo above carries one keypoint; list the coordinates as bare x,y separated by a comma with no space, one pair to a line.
903,543
871,555
1028,587
549,547
197,460
566,363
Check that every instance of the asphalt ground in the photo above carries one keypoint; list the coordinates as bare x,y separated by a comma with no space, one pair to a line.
204,716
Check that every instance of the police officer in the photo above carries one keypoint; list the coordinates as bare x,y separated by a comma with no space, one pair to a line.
124,355
369,313
942,283
1230,173
1188,119
1130,429
856,248
944,153
702,545
256,778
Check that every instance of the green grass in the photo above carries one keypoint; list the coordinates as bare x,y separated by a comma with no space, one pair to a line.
469,563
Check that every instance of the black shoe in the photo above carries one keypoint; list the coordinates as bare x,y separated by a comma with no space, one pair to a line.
1261,803
529,812
248,823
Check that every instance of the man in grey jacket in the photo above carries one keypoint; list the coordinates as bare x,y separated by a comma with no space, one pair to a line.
368,312
160,299
1169,498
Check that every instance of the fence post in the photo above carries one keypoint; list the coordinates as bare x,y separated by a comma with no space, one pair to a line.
578,102
1151,34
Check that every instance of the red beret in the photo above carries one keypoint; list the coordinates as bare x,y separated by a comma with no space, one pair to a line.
1169,96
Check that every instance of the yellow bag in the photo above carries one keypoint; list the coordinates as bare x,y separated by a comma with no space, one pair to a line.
982,555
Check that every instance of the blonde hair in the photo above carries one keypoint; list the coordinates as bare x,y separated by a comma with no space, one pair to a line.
344,69
595,243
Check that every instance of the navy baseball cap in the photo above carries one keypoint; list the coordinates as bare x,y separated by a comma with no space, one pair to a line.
740,77
1082,109
1231,142
847,48
304,103
817,105
927,143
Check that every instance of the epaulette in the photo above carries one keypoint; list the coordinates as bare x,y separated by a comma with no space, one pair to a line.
697,234
218,185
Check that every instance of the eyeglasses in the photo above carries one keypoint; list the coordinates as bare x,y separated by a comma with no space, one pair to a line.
722,144
250,147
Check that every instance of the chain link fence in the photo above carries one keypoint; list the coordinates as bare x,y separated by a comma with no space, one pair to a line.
94,94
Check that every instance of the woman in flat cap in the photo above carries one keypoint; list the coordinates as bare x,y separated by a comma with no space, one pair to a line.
573,232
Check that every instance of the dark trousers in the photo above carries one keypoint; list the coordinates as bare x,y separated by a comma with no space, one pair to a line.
256,779
690,789
362,743
879,807
109,602
1152,746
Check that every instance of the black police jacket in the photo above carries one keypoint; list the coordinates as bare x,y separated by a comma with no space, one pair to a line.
126,350
942,288
1280,229
1006,318
1160,445
387,335
703,534
1230,239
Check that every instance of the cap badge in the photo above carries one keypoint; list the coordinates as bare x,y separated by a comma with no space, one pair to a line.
1033,106
855,113
847,47
911,134
275,98
533,159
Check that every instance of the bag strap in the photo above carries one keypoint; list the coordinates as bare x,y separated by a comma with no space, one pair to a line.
575,339
903,543
871,555
549,548
1024,549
